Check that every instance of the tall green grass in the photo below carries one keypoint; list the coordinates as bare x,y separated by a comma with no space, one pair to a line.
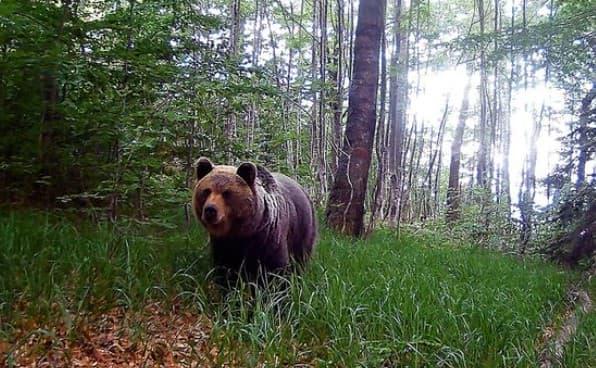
46,262
581,351
374,302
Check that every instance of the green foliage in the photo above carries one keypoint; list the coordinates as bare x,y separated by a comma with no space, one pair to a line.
483,222
98,100
565,225
379,301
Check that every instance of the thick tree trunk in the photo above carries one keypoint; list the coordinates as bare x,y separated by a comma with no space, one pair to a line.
345,209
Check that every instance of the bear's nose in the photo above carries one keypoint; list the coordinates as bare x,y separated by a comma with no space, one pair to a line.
210,214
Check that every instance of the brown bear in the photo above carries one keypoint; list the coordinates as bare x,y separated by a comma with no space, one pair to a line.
256,220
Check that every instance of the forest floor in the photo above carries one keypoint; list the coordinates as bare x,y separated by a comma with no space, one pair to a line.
75,294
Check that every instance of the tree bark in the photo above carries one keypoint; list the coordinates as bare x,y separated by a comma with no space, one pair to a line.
587,115
230,125
506,133
481,169
453,192
528,187
398,95
337,76
435,159
345,209
380,147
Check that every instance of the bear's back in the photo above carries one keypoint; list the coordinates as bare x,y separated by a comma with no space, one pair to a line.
302,223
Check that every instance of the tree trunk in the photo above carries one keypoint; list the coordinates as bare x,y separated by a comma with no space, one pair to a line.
398,95
506,133
380,147
481,169
50,118
453,192
345,209
415,213
587,115
494,111
337,76
316,88
322,139
434,158
230,125
528,187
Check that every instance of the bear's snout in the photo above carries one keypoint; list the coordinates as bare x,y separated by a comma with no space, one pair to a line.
210,214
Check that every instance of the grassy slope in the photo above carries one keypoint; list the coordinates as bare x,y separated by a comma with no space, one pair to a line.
381,300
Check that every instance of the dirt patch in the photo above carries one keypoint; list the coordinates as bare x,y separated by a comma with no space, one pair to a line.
118,338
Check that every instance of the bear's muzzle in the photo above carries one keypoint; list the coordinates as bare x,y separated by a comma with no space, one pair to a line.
210,215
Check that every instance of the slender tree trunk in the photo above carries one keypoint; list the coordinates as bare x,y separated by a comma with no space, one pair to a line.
230,126
409,188
322,139
252,118
494,116
436,190
289,142
298,142
414,189
337,76
50,118
481,173
587,116
398,96
528,188
409,148
453,190
380,148
505,176
352,19
345,209
434,154
315,85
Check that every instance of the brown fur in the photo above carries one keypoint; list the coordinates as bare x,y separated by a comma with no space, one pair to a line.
255,219
228,193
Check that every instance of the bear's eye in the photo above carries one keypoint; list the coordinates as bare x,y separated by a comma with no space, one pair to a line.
226,194
205,192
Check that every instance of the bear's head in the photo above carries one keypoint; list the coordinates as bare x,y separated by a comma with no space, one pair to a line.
225,199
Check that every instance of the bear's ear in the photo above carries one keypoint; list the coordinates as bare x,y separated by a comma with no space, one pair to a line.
203,167
248,172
